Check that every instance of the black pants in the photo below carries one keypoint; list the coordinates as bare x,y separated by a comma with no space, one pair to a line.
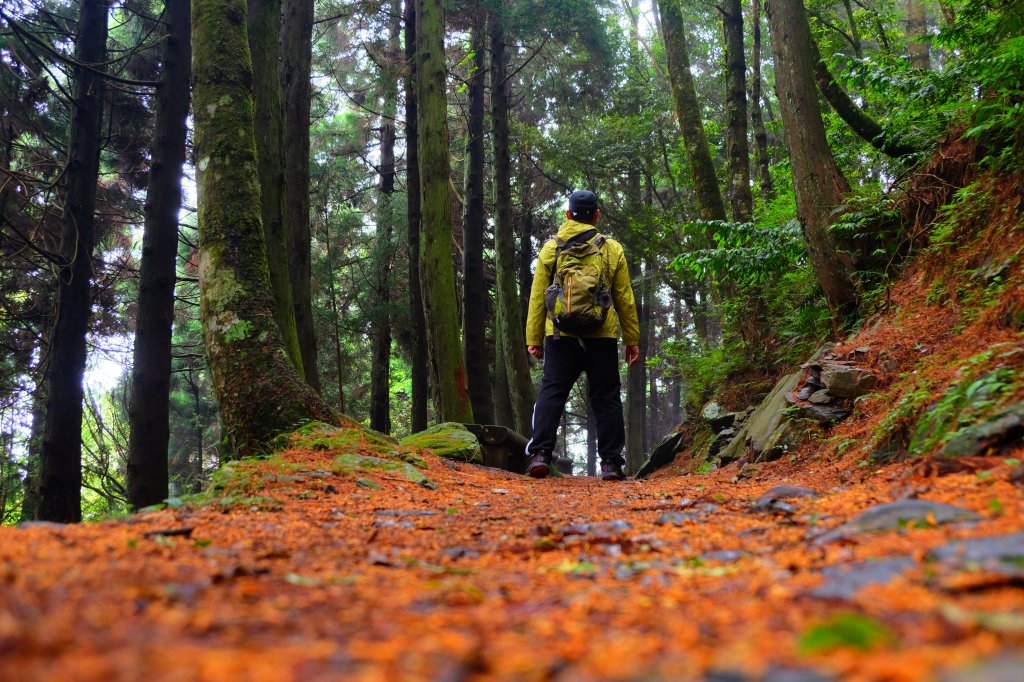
564,361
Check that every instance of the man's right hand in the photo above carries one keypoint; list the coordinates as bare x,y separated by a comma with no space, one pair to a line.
536,351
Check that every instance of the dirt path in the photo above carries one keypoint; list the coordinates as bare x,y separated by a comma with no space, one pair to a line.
307,567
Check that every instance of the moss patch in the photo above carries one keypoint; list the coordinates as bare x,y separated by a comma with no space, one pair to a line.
451,440
352,464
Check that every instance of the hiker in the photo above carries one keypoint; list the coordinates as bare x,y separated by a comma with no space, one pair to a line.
581,297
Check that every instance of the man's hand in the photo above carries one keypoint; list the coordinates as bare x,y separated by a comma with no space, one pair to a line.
537,351
632,355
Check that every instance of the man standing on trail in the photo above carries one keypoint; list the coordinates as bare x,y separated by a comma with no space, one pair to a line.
580,299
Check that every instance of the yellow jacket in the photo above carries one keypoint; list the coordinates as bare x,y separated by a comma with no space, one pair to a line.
621,314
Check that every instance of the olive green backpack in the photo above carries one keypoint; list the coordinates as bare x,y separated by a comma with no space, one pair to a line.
578,298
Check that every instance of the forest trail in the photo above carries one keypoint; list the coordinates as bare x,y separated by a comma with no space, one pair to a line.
330,561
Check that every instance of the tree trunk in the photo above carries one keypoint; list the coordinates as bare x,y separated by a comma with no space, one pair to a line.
684,95
30,484
636,385
524,262
420,356
510,324
332,290
380,368
917,48
264,36
741,199
296,59
149,406
756,120
475,290
855,41
259,392
437,273
818,184
591,440
60,475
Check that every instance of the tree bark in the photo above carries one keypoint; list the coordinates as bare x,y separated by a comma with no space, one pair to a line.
420,359
684,96
509,322
264,36
756,120
636,384
149,405
60,475
475,290
380,367
818,184
296,60
740,197
258,390
917,48
437,273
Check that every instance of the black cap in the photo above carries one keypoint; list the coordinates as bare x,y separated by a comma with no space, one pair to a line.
582,202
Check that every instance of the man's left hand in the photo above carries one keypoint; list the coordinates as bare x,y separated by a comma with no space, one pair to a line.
632,355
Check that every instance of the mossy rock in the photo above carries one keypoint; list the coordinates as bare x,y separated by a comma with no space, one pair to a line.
449,439
352,464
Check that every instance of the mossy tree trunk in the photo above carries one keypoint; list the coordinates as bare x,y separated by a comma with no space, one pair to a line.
869,130
740,197
380,327
60,473
756,119
296,60
475,298
509,322
418,326
264,35
818,184
259,392
684,95
149,406
437,271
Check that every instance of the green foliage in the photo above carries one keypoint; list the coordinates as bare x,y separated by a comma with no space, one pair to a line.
745,253
924,423
845,630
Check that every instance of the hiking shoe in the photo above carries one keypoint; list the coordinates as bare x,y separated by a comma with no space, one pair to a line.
612,472
540,465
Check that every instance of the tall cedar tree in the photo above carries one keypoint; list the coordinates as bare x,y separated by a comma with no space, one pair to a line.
475,291
258,390
684,95
738,152
636,376
149,406
60,475
380,328
296,63
756,118
510,324
437,272
418,366
818,184
264,37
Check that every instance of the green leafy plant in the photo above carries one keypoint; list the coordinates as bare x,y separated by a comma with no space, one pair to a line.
845,630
